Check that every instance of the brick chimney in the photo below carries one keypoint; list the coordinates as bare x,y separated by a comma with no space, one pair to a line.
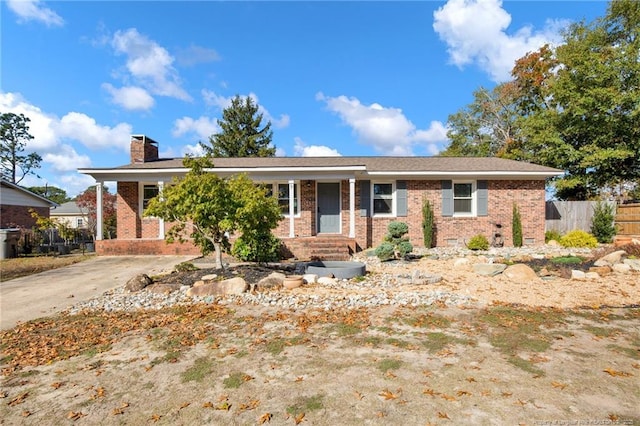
143,149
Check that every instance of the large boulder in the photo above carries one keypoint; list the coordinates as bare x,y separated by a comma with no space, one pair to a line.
272,280
520,273
621,268
610,259
137,283
235,285
489,269
633,263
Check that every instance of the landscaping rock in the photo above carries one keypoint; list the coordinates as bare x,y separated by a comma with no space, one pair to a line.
327,281
520,273
138,283
603,271
310,278
235,285
163,288
592,276
274,279
610,259
463,261
578,275
621,268
209,277
633,263
489,269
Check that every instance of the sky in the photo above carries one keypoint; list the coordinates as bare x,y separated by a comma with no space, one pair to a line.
343,78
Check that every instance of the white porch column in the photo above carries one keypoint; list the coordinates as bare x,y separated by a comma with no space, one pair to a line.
352,208
160,221
99,221
292,194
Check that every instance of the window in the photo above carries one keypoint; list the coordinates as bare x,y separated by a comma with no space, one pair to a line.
383,199
463,198
284,196
79,222
148,192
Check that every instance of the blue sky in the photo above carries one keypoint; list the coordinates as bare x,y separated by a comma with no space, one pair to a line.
334,78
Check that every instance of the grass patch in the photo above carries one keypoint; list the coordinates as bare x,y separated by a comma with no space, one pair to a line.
305,405
24,266
437,341
387,364
235,380
602,332
200,369
633,353
525,365
343,329
428,320
399,343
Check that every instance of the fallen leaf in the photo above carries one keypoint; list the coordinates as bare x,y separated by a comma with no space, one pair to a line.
155,417
207,405
56,385
463,393
18,399
559,385
224,406
117,411
299,418
615,373
507,394
613,417
4,394
443,415
381,414
184,405
26,413
390,375
449,398
520,402
430,392
358,395
387,394
73,415
299,379
470,379
265,418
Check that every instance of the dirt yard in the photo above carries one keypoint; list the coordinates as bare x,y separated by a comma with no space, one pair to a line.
563,359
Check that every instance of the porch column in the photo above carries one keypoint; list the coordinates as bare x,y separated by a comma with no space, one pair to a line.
292,188
352,208
161,221
99,211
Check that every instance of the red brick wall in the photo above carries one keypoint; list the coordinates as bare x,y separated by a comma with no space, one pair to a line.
121,247
19,216
529,196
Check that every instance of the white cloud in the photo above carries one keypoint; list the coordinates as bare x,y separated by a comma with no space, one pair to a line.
194,55
202,127
303,150
66,159
130,97
76,183
34,10
41,127
221,102
149,64
194,150
387,130
475,33
85,130
280,152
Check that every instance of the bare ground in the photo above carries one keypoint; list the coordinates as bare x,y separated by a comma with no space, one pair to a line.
557,356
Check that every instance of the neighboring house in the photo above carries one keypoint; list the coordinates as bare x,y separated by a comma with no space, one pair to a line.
16,204
70,214
336,205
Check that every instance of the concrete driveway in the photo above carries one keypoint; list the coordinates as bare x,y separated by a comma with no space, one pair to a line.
50,292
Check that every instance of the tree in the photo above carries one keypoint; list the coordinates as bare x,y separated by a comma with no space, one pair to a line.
209,208
55,194
14,134
241,134
88,204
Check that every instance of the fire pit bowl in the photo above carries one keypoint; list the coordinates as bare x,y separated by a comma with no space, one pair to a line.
337,269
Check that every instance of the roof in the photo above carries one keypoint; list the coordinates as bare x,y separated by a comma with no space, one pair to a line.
314,167
23,192
70,208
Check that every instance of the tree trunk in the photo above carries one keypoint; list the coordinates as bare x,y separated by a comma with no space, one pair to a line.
218,255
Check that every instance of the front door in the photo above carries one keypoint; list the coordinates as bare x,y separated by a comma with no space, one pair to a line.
328,208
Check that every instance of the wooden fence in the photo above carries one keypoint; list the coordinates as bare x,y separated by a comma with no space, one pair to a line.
565,216
628,219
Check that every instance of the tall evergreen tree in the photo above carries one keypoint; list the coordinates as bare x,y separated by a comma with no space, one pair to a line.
242,134
14,134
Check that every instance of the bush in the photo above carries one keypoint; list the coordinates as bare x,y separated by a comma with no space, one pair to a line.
602,226
257,248
516,227
552,235
185,267
395,243
478,242
578,238
385,251
427,223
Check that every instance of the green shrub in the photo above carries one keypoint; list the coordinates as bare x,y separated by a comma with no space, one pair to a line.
602,226
427,223
578,238
385,251
552,235
516,227
395,242
257,247
478,242
185,267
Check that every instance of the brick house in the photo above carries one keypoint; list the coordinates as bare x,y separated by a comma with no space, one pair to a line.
335,205
16,203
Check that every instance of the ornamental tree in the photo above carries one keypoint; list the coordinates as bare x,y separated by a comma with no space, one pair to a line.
209,208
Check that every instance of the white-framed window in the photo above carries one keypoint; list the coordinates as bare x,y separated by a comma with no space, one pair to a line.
147,192
464,198
281,190
79,222
383,199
